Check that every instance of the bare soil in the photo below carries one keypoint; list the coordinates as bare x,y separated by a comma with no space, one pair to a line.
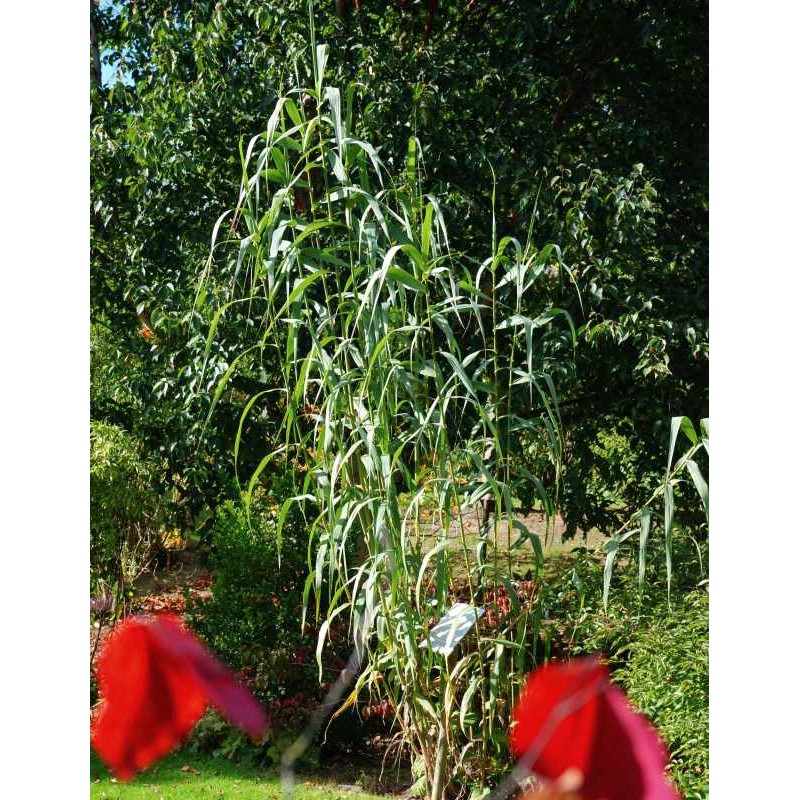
551,534
164,589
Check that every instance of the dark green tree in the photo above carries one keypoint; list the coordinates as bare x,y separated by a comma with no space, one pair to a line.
592,117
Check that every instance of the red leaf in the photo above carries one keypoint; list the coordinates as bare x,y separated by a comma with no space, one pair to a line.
156,679
572,720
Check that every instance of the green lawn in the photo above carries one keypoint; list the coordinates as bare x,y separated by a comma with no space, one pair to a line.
187,776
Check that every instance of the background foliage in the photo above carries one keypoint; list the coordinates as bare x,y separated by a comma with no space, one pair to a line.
251,622
658,650
591,114
578,123
126,510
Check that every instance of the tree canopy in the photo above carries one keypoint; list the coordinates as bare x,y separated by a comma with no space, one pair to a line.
577,122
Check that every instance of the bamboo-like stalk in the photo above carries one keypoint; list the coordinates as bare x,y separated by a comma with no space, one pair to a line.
393,371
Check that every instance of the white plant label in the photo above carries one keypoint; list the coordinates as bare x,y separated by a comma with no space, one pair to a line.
452,628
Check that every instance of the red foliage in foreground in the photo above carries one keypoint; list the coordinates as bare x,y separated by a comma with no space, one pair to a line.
572,726
156,679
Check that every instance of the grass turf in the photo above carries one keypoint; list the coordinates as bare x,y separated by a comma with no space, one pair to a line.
188,776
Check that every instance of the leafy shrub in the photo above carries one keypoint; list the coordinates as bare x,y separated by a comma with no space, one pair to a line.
657,654
254,621
666,678
256,603
124,505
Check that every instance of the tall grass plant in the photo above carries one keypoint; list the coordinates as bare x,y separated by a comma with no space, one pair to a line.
408,371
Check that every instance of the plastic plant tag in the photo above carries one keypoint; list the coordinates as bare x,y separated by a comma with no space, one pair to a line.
452,628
